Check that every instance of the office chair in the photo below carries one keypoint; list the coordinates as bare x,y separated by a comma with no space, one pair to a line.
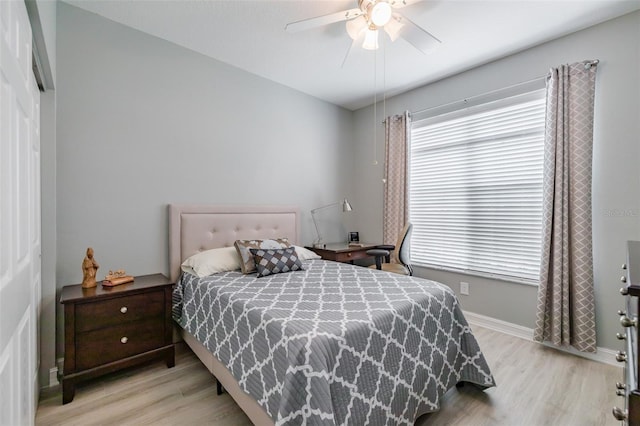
401,259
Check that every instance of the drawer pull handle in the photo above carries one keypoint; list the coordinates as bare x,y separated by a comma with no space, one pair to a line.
624,291
620,385
623,279
625,321
124,340
624,266
621,336
124,309
621,356
619,413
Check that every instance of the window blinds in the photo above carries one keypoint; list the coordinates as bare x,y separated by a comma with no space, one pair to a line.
476,188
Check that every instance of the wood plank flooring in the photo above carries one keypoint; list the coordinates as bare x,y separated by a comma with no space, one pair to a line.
536,386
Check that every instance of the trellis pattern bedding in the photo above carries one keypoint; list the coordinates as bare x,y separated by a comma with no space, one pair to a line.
334,343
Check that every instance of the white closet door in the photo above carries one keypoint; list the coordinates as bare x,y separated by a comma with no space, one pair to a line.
19,218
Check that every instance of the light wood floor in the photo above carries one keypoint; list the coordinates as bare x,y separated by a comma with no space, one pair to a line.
536,386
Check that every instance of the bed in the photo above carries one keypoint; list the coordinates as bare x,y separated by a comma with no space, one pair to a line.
330,344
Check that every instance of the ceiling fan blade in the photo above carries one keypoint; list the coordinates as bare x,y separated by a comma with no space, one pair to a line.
399,4
417,36
307,24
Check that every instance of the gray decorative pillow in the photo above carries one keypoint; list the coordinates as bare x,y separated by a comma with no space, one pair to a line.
276,261
246,258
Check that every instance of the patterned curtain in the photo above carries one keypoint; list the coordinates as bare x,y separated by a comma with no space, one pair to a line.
396,199
566,312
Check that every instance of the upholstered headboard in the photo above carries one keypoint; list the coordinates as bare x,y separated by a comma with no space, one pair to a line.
194,228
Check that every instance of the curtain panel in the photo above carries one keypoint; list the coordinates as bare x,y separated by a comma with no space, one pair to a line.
566,308
396,193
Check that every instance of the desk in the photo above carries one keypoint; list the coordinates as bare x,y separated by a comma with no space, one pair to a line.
341,252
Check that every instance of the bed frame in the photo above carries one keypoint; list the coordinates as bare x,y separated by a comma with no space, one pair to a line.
195,228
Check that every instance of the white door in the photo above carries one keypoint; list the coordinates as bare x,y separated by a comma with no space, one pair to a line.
19,218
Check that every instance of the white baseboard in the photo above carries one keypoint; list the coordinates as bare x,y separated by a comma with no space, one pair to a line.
604,355
55,372
53,377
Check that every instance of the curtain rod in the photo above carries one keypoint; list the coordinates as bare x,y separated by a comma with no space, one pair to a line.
590,63
587,65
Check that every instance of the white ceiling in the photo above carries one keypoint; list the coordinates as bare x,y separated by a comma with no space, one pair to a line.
250,35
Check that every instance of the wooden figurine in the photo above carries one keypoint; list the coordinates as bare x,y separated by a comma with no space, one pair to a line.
89,270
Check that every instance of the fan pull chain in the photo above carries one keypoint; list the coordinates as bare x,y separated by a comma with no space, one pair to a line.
384,96
384,79
375,101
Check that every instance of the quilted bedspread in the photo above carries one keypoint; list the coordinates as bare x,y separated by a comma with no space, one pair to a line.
334,343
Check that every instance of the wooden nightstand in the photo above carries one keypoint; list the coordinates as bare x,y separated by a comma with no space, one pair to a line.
110,328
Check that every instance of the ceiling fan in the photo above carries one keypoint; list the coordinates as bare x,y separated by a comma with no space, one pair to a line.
365,21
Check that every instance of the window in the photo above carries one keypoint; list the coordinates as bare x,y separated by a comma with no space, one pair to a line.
476,188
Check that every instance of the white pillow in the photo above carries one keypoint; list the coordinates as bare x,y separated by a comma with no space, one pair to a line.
212,261
306,254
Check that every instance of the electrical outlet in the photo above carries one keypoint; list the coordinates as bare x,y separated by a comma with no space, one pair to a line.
464,288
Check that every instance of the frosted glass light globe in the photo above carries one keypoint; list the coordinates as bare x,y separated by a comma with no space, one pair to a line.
380,13
370,40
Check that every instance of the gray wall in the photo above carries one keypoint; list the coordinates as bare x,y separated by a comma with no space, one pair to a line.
49,302
142,123
616,175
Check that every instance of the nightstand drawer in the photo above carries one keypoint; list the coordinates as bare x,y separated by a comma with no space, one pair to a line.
97,315
98,347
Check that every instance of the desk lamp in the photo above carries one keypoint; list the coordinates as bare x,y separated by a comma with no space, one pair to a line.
346,207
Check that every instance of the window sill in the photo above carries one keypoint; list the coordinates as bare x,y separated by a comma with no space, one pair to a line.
504,278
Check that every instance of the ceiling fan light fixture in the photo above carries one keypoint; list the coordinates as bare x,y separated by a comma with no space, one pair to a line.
370,39
393,28
380,13
355,27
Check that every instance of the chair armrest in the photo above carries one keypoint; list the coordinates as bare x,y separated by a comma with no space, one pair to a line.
379,254
390,248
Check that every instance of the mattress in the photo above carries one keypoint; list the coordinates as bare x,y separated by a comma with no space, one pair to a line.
334,343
